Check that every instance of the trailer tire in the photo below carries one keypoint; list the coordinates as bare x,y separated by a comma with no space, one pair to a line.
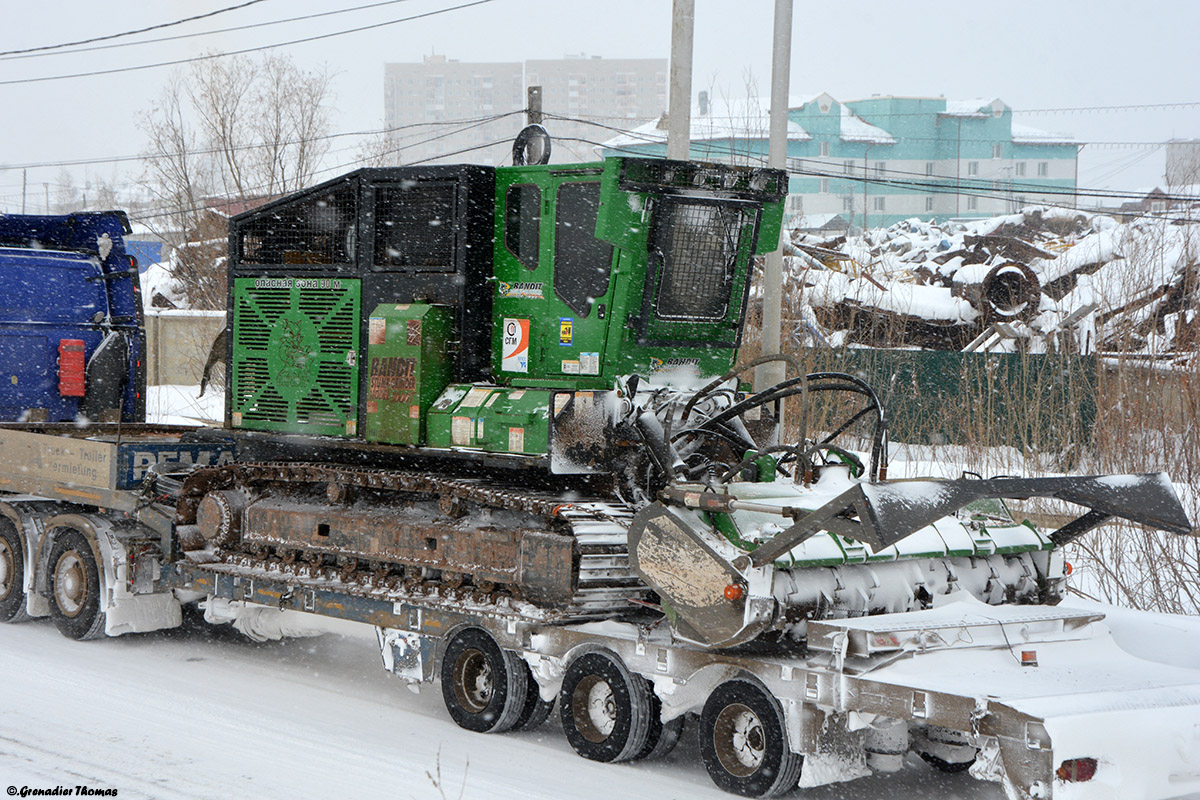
484,687
605,708
12,574
743,741
536,710
75,588
663,735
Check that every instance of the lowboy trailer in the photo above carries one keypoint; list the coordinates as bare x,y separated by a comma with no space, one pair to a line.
1040,699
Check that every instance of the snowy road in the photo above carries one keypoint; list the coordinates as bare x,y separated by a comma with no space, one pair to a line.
207,714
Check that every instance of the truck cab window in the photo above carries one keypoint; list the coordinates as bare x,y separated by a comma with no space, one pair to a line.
523,222
582,262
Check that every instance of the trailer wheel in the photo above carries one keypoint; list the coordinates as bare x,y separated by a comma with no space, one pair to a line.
75,588
743,742
536,710
12,574
484,687
605,708
663,736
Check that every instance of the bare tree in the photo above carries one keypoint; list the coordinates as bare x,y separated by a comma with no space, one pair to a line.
233,130
378,150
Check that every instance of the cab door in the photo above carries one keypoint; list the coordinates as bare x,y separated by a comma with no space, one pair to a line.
582,281
553,279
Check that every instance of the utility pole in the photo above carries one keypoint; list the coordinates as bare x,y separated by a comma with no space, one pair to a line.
46,189
679,111
772,324
24,182
533,106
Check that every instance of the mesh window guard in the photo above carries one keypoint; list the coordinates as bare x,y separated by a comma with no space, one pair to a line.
414,226
699,246
314,230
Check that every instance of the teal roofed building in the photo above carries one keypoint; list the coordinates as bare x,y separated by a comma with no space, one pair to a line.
880,160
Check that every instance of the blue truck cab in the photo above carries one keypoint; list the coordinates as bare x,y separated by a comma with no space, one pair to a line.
72,335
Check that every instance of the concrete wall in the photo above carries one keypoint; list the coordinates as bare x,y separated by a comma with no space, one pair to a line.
177,344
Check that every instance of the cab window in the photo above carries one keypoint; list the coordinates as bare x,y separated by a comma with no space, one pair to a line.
523,222
582,262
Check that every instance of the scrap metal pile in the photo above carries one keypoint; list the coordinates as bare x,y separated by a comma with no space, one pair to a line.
1043,280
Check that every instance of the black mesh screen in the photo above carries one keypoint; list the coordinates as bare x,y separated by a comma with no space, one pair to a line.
314,230
699,245
414,226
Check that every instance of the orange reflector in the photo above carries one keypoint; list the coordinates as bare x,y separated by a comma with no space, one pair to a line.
1029,658
733,592
1067,568
1077,770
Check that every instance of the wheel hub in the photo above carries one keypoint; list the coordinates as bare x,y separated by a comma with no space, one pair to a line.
473,681
8,569
70,584
602,708
594,707
739,740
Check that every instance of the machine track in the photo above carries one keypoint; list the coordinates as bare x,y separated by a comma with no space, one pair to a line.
540,533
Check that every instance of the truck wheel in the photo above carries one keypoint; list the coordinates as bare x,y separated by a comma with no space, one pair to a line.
12,574
605,709
663,737
75,588
536,710
483,686
743,742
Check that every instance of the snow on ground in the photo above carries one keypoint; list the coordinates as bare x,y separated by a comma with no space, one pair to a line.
183,405
204,713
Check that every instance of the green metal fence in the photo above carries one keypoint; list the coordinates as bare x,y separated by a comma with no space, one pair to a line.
1038,403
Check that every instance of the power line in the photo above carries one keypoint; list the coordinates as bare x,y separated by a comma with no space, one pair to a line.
162,211
1141,107
950,186
178,37
130,33
1065,141
881,174
258,145
210,56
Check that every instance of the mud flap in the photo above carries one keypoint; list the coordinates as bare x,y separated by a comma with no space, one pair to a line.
669,554
581,432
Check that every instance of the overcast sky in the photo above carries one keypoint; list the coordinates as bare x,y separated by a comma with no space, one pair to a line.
1033,55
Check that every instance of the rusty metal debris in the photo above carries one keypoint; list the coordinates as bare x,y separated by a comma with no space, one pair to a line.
1042,280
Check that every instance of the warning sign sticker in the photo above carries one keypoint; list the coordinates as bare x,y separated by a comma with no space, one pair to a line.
566,331
514,352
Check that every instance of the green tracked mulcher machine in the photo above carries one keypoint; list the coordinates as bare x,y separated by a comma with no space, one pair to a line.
518,384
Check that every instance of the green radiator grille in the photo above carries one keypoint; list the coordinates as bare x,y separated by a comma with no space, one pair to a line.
295,355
